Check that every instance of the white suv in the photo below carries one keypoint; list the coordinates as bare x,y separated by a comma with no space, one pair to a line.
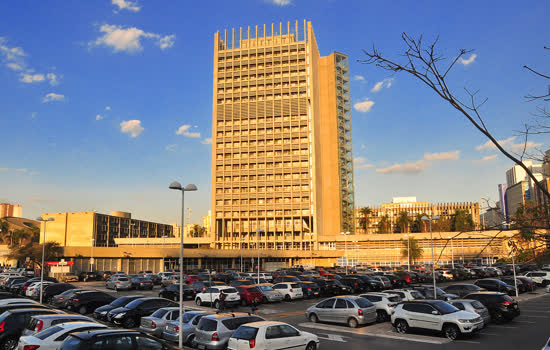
435,315
267,335
289,290
542,278
212,296
384,303
406,294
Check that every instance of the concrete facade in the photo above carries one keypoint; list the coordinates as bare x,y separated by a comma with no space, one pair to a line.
10,210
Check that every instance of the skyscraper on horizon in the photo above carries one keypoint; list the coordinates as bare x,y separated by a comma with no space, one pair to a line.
282,163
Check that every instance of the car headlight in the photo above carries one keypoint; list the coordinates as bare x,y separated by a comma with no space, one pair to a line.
103,313
120,315
466,321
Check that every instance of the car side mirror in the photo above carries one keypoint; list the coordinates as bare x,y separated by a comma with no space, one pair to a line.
435,312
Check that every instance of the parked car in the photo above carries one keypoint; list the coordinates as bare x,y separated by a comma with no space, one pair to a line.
335,287
51,338
242,282
249,295
86,276
103,275
541,278
87,301
40,322
172,292
285,278
267,335
474,306
529,284
212,296
462,289
156,279
13,279
109,339
386,283
141,283
130,315
60,301
428,292
69,278
17,301
155,323
145,272
495,285
118,282
384,304
350,310
13,323
213,331
171,279
269,295
289,290
50,291
199,286
191,278
33,290
101,312
310,289
509,280
357,285
501,307
406,294
4,308
190,319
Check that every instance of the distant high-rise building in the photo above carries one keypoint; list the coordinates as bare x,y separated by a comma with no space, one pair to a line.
10,210
282,170
502,201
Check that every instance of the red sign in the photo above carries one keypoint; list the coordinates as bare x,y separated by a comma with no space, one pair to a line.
56,263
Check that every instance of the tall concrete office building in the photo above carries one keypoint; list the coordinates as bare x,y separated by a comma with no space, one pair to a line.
282,164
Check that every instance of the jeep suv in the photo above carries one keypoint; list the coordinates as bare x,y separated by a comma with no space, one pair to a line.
435,315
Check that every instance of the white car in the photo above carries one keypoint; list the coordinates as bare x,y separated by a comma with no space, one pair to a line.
384,303
268,335
435,315
33,291
266,276
51,338
17,301
38,323
289,290
406,294
211,296
541,278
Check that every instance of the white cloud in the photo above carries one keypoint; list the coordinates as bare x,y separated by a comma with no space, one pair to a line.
508,144
33,115
32,173
359,163
363,147
53,97
129,39
442,156
488,158
171,148
281,2
32,78
14,66
108,108
53,79
132,127
207,141
469,60
184,130
12,54
386,83
358,78
22,170
126,5
98,117
406,168
364,106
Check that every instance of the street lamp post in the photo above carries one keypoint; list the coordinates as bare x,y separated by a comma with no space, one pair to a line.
452,253
408,237
514,268
346,248
425,218
163,255
241,247
191,187
43,251
92,256
258,234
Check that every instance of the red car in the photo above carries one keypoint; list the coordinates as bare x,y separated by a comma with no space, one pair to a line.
249,295
191,278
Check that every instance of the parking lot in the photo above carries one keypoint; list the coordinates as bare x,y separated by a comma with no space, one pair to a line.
527,331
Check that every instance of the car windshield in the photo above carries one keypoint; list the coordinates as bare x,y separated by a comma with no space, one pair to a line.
477,305
187,317
47,332
229,290
134,304
245,333
265,288
417,295
159,313
207,325
120,302
444,308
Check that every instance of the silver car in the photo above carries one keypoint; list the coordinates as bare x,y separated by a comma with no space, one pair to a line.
40,322
189,323
118,282
155,323
213,331
474,306
269,294
350,310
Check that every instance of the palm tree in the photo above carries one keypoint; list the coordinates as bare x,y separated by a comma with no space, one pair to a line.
384,224
365,218
411,250
17,236
403,221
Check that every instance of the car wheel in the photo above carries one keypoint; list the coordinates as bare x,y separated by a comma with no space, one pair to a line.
498,317
311,346
49,300
243,302
177,298
401,326
190,339
128,323
352,323
313,318
217,304
10,344
198,301
380,316
264,300
451,331
82,310
288,298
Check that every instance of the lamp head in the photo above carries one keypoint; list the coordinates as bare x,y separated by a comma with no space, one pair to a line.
41,219
436,217
425,218
190,187
175,186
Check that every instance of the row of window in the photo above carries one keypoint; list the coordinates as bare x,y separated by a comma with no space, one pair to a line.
261,154
261,120
262,131
252,166
236,76
261,98
262,65
261,53
254,201
252,189
260,213
262,86
260,143
295,176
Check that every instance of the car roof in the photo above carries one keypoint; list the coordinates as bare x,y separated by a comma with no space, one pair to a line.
487,293
16,311
108,331
227,315
463,300
81,324
62,315
259,324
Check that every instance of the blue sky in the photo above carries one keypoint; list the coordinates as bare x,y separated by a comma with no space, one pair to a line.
104,103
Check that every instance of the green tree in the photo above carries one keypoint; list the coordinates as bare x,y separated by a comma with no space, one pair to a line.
462,221
364,220
4,226
384,224
411,250
53,251
403,222
443,224
418,224
198,231
18,236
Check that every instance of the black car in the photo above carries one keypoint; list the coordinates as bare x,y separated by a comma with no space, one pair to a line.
222,277
85,276
12,280
108,339
495,285
172,292
16,287
87,301
396,282
156,279
13,322
21,305
286,279
310,289
60,301
141,283
25,285
244,282
200,286
130,315
51,290
101,312
102,275
372,285
357,285
428,293
509,280
501,307
335,287
462,289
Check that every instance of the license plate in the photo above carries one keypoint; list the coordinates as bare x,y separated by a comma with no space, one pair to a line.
200,346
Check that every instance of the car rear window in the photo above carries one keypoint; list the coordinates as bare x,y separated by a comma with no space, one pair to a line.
417,295
31,325
295,285
207,325
507,298
245,333
230,290
124,279
362,302
477,305
47,332
71,343
394,299
159,313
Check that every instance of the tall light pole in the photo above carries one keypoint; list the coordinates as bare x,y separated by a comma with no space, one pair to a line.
163,255
408,237
310,235
258,233
346,248
43,251
191,187
452,253
92,256
241,247
425,218
514,267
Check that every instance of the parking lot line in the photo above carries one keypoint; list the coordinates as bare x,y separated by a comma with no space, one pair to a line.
524,322
534,316
507,327
483,333
467,341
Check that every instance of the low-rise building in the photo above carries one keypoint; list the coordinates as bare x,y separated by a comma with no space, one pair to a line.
10,210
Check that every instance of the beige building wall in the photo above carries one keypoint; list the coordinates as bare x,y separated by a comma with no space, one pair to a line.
10,210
